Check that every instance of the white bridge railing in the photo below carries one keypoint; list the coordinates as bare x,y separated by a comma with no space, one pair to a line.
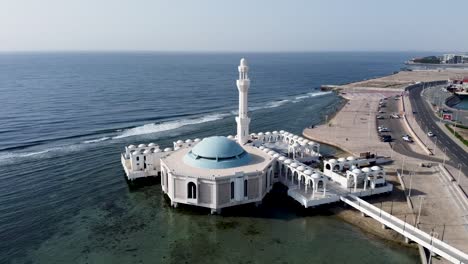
430,242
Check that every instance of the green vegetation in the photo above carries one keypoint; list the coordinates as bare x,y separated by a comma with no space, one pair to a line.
456,134
430,59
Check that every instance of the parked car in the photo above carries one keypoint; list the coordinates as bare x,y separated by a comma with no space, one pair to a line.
407,138
380,117
395,116
430,134
381,112
384,129
386,138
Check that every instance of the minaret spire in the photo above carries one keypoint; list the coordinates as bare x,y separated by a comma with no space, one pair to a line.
243,120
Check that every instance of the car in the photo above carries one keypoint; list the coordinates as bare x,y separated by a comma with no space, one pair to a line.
386,138
407,138
381,112
384,129
395,116
430,134
380,117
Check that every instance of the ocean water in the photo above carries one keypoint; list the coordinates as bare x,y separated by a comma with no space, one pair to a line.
65,118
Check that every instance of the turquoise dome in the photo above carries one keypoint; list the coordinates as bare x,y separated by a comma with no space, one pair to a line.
217,153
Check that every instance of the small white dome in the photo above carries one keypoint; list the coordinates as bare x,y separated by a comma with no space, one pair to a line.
141,145
341,159
375,168
300,138
147,151
332,161
151,145
260,134
134,152
276,155
261,147
243,62
131,146
287,161
308,172
296,137
282,158
271,152
179,141
365,170
167,149
311,143
295,145
268,133
188,141
294,165
230,137
306,141
266,150
350,158
157,150
281,131
275,132
357,171
316,176
197,140
300,168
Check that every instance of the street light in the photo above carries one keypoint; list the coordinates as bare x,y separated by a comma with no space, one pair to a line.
410,184
445,155
459,174
421,198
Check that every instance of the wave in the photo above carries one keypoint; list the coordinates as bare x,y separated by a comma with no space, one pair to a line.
7,157
166,126
95,140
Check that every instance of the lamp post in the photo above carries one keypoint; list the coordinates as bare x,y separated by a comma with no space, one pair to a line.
445,155
410,184
421,198
459,174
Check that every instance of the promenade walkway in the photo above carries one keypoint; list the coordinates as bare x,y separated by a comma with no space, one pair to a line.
429,241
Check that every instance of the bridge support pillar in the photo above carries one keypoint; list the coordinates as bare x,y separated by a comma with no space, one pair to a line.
407,240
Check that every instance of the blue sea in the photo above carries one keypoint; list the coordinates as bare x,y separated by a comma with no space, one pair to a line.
65,118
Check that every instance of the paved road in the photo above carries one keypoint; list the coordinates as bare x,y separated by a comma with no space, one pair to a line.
426,119
397,131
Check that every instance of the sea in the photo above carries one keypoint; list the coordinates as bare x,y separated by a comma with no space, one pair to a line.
66,117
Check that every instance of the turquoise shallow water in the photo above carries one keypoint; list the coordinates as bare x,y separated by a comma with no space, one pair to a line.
66,117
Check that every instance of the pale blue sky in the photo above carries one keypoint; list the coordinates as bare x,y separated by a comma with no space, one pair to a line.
216,25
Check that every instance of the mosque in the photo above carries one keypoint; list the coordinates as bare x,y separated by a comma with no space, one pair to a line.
218,172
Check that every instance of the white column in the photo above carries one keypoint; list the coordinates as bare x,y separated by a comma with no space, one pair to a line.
243,85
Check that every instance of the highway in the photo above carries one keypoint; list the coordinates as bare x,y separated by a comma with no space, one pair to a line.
426,119
397,130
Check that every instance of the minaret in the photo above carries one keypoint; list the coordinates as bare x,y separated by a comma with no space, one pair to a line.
243,119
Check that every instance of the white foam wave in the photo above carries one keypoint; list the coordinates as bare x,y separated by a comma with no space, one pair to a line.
96,140
166,126
8,157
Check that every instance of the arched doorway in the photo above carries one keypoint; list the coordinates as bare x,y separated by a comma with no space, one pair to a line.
191,190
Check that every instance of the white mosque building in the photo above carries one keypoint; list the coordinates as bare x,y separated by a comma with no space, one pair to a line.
218,172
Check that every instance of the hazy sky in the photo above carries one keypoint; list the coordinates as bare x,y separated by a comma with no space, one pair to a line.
221,25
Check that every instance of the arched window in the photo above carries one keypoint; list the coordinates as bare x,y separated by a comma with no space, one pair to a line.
245,188
232,190
328,167
137,158
191,190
